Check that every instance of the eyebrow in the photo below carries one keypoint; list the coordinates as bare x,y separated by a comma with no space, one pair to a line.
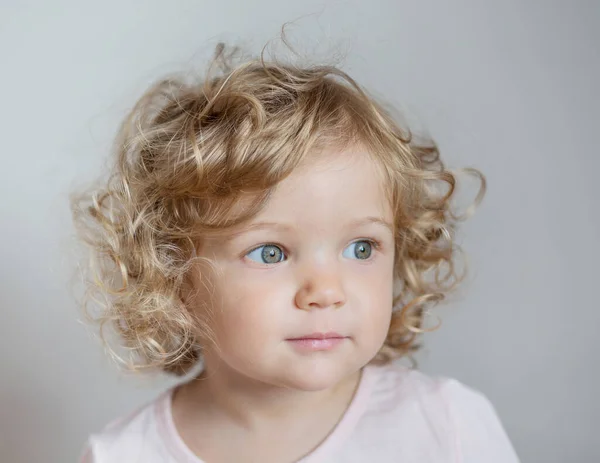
287,227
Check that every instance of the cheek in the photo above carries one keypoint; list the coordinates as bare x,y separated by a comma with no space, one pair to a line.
247,311
376,296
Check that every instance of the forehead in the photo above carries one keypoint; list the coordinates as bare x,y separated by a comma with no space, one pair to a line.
331,183
330,191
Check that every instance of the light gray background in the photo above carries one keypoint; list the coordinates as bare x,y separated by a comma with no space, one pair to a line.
509,87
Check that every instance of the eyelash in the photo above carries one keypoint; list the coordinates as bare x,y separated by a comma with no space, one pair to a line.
372,241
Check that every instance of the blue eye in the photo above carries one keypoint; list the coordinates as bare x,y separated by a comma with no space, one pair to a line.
361,250
267,254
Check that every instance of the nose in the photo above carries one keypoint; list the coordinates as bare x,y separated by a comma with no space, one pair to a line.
320,290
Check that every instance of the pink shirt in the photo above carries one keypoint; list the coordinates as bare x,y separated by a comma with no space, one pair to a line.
397,415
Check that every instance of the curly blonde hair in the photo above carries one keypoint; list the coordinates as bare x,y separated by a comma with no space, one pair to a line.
189,151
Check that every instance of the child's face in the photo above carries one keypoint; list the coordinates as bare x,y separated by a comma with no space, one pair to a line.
312,270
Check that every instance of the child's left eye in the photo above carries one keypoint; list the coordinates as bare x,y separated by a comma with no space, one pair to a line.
360,250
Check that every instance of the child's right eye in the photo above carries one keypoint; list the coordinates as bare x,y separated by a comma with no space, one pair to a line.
267,254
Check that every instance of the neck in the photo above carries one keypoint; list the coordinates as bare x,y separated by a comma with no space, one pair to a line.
228,396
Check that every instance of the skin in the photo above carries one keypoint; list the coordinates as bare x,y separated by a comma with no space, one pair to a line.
325,273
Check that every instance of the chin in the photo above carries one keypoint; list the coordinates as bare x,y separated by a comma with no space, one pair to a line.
315,377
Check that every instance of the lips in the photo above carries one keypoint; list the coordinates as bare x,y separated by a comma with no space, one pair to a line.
330,335
317,341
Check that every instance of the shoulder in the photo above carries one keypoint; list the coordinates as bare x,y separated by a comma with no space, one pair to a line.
480,433
441,409
132,437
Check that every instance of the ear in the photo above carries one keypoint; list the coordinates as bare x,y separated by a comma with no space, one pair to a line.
197,285
187,292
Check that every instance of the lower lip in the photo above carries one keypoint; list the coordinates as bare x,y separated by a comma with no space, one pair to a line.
312,344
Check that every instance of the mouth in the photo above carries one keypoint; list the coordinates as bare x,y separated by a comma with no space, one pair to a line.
317,341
